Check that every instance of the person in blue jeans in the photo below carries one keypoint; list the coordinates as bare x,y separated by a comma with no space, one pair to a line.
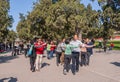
52,48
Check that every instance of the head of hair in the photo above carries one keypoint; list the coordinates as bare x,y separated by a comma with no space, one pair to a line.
32,42
67,41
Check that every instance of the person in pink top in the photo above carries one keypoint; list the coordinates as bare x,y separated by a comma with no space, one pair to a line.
39,47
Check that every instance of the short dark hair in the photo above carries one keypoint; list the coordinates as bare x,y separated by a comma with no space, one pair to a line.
67,41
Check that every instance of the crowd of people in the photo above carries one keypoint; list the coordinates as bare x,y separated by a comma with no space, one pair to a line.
68,52
5,47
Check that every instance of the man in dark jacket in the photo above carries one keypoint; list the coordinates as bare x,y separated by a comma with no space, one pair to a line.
32,57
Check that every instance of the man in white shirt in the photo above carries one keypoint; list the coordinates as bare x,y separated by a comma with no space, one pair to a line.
75,54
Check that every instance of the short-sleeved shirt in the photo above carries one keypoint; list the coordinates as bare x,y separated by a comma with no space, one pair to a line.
76,43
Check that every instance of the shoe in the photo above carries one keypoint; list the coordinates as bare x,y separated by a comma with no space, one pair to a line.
67,71
33,70
87,64
81,65
77,70
64,72
91,55
73,73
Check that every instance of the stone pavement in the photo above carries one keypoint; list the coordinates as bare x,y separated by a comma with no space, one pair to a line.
104,67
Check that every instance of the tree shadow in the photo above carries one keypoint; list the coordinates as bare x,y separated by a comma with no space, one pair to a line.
45,64
5,59
116,63
10,79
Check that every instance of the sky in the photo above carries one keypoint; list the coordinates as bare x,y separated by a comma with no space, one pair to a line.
23,6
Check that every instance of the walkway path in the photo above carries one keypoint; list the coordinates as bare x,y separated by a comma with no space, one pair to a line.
104,67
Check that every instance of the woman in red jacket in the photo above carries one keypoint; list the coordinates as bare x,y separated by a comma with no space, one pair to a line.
39,47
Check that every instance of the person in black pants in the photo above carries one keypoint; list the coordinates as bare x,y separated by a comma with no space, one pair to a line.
90,45
58,53
75,54
84,58
90,48
32,58
15,51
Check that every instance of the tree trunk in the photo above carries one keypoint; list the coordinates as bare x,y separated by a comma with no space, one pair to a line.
80,35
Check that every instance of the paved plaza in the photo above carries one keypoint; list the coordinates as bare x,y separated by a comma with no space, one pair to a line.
104,67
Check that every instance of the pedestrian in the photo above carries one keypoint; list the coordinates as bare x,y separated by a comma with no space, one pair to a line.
58,53
84,56
52,49
68,56
75,54
32,57
111,46
105,45
63,51
39,47
21,47
15,49
25,49
100,45
48,49
90,48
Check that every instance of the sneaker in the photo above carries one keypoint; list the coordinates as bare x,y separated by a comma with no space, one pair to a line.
64,72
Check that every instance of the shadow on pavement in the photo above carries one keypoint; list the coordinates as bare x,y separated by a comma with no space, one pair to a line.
11,79
45,64
5,59
116,63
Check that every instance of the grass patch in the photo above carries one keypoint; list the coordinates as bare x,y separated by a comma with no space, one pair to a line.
116,44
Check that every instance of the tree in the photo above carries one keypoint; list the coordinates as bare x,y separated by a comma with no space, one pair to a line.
5,19
59,19
109,16
12,35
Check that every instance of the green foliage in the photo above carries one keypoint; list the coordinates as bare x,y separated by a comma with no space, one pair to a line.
116,44
58,19
12,35
5,19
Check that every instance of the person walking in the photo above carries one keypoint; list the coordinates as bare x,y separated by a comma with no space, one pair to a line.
90,48
84,55
58,53
48,49
39,47
32,57
68,56
63,51
52,48
15,50
75,54
25,49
